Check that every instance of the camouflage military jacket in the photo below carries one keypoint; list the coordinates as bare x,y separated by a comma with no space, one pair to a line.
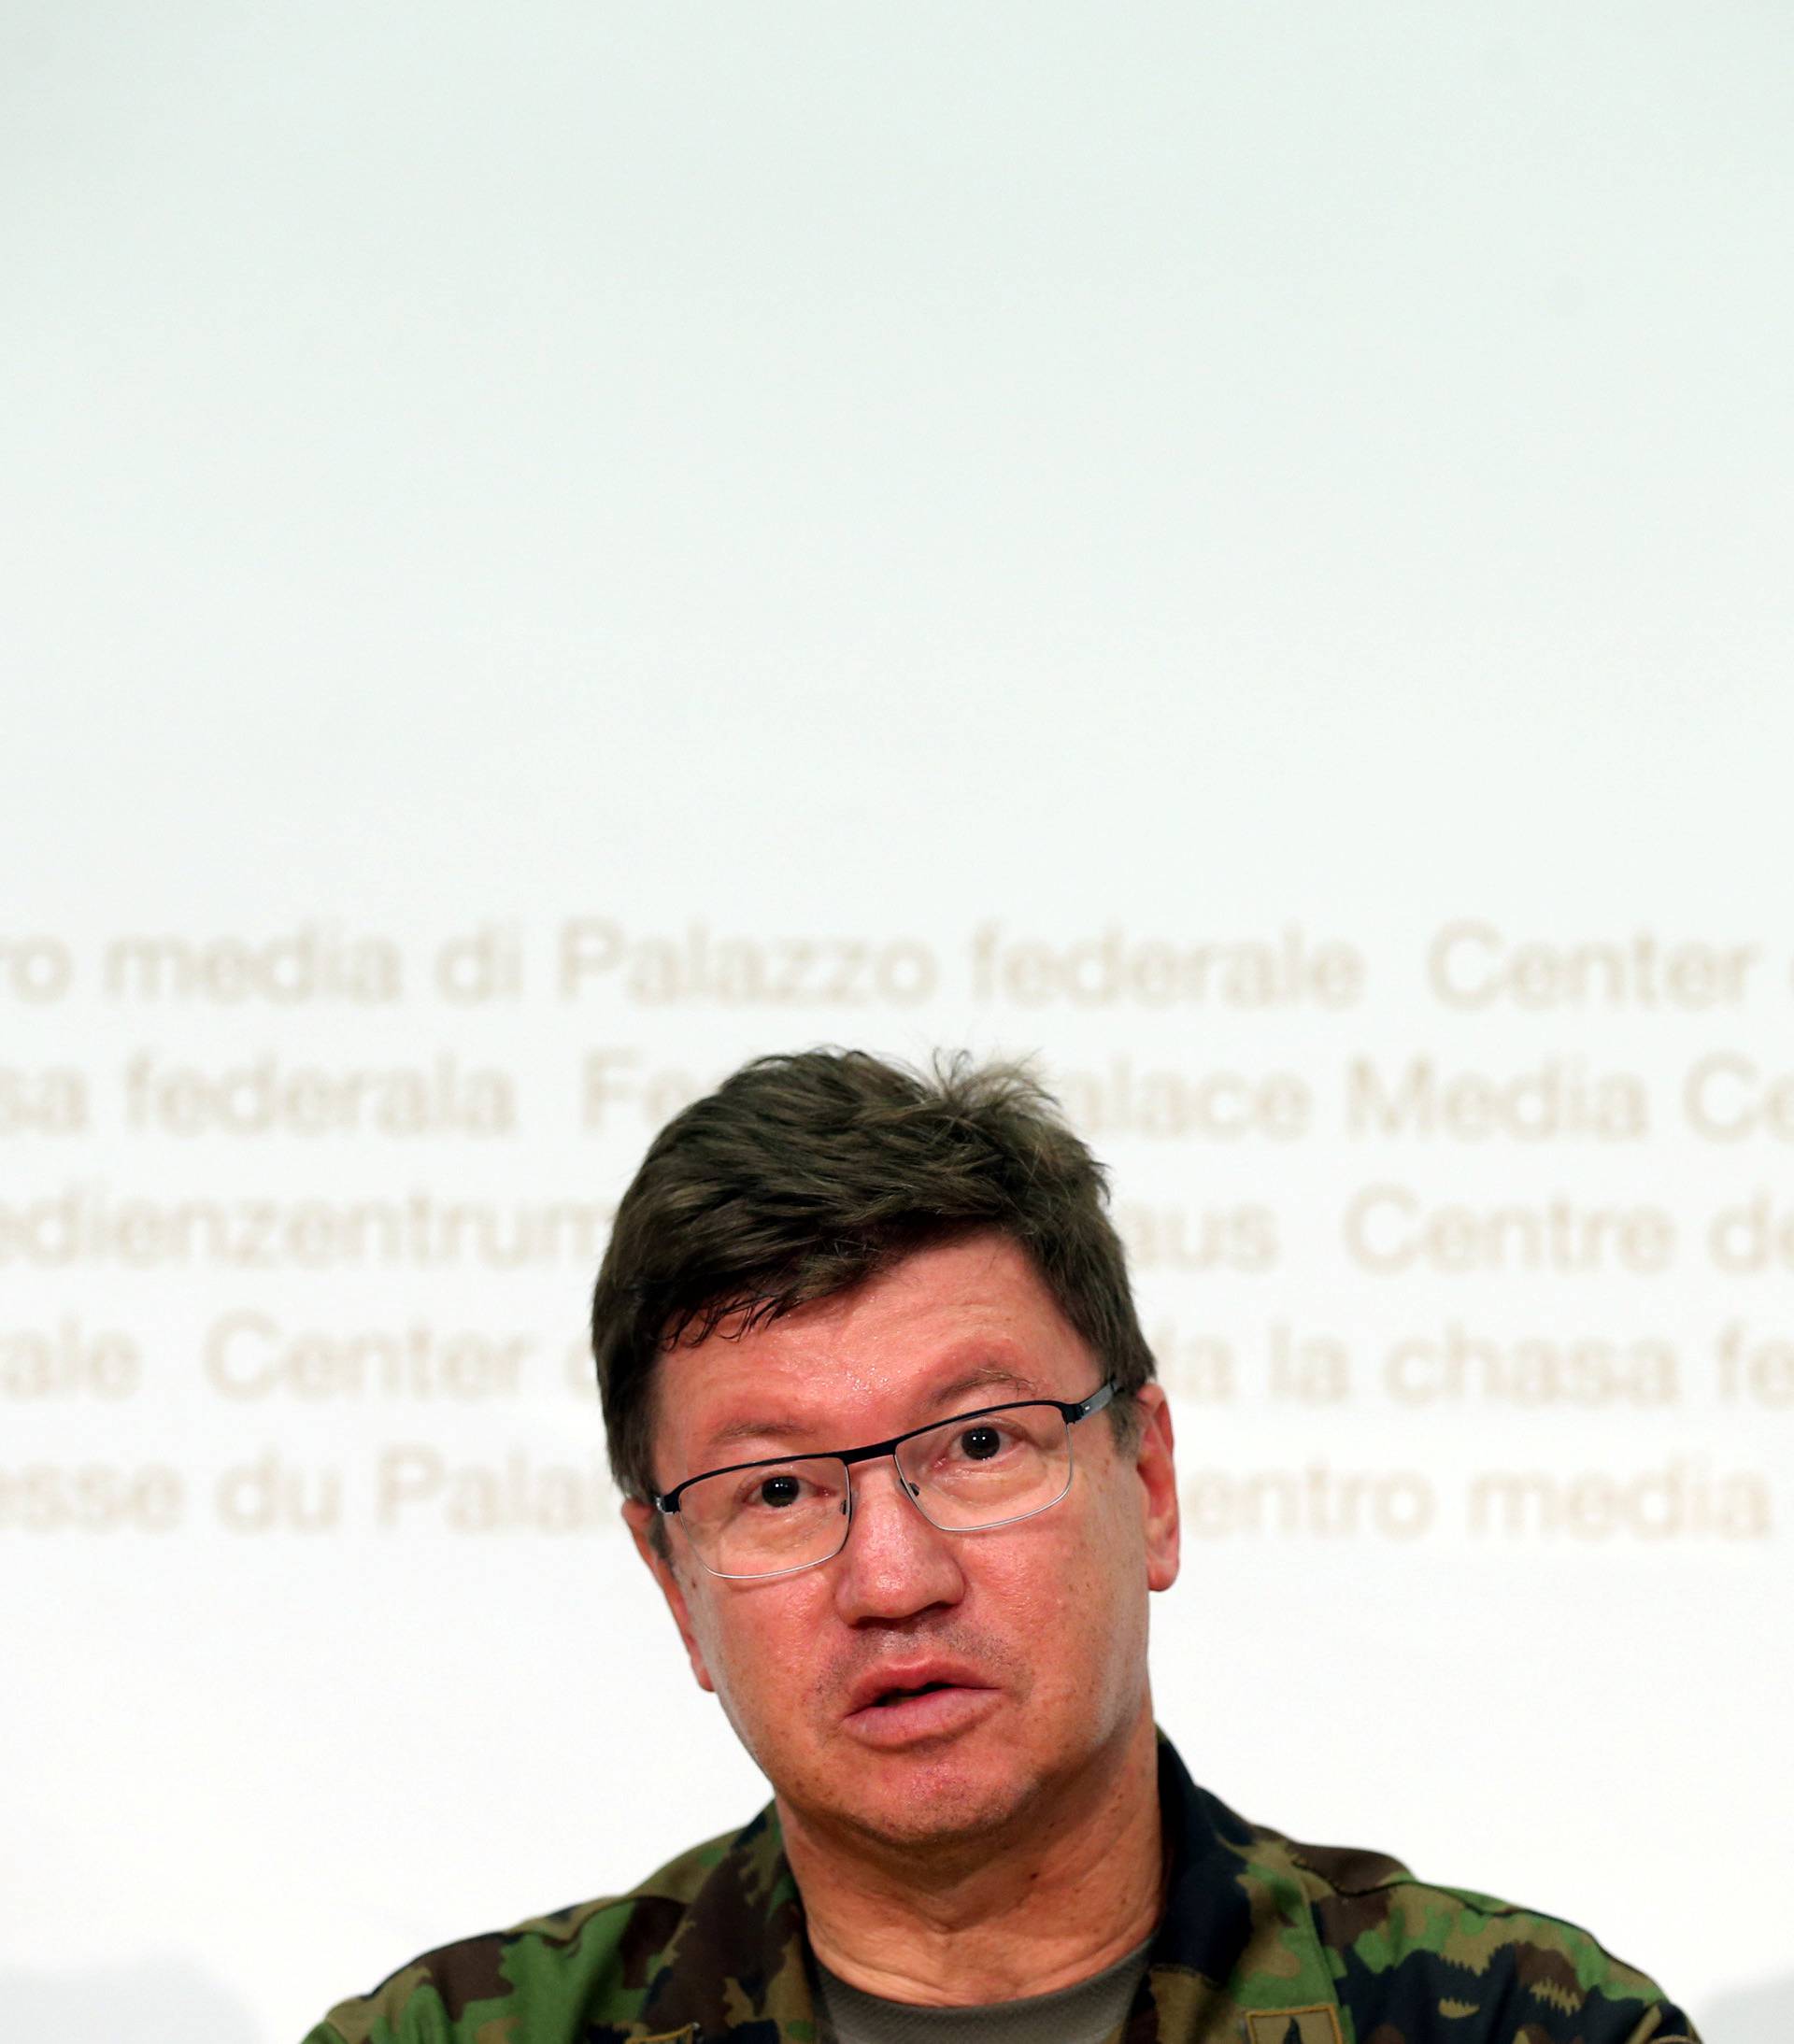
1263,1941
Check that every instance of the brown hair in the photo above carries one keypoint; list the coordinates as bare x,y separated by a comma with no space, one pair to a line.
803,1175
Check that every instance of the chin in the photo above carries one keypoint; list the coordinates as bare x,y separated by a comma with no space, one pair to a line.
935,1804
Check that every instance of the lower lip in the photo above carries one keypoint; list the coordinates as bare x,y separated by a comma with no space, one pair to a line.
939,1714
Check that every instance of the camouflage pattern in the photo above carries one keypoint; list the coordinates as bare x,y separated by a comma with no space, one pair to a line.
1263,1942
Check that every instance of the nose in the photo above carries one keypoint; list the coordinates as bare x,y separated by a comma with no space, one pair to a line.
895,1564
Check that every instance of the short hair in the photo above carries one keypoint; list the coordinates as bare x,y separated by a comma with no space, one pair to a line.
805,1174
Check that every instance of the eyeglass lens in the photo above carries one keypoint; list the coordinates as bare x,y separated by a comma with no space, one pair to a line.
965,1474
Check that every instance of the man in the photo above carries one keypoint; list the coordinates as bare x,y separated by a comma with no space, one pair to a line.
880,1405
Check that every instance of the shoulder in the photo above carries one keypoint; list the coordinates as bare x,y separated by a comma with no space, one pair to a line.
1413,1960
555,1977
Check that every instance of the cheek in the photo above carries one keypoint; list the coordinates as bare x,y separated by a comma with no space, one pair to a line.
761,1649
1096,1616
1065,1607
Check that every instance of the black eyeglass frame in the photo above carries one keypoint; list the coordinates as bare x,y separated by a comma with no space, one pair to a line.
1070,1410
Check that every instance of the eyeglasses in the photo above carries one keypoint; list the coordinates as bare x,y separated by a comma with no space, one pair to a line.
966,1474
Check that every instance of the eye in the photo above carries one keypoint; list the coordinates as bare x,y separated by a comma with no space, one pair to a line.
782,1489
979,1443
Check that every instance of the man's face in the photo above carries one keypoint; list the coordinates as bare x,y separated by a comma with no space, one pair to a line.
1036,1632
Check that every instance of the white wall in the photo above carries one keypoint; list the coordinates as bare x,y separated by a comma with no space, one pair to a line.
940,481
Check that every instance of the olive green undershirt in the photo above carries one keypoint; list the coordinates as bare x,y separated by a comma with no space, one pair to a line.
1082,2014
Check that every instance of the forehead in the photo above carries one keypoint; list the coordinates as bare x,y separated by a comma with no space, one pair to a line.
968,1321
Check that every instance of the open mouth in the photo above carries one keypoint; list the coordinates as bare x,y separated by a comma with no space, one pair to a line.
890,1696
905,1714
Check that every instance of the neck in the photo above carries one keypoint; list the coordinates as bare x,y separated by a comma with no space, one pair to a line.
1069,1888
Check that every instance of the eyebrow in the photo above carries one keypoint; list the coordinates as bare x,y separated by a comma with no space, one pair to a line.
944,1399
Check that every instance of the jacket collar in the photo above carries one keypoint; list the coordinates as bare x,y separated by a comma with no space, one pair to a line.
1236,1951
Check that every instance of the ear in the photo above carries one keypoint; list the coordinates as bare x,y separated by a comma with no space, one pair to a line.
1156,1467
640,1518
